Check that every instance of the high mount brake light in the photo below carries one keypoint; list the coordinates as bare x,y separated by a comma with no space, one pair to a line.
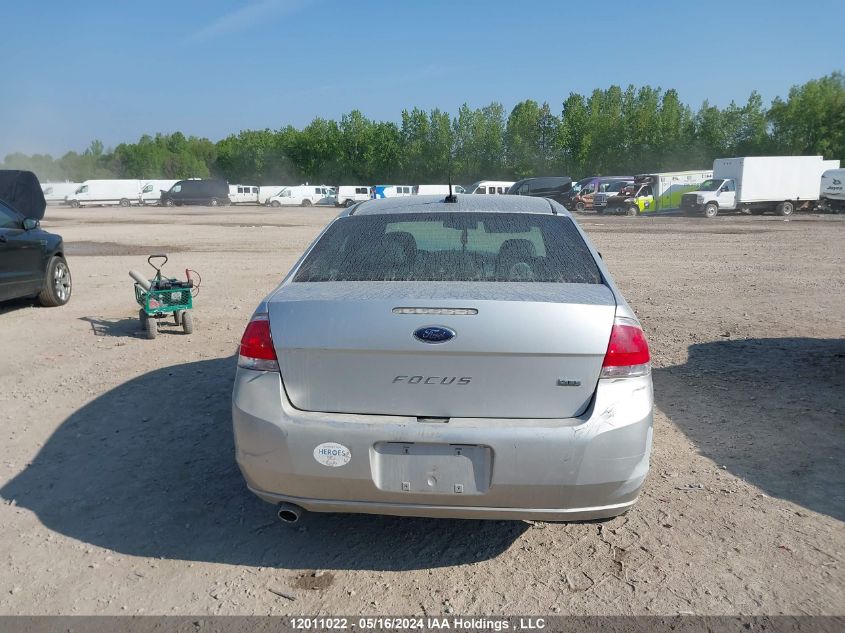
627,352
257,351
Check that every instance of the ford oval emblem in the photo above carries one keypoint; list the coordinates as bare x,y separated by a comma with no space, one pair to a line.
434,334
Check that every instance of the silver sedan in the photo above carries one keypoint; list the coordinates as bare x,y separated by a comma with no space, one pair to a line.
466,358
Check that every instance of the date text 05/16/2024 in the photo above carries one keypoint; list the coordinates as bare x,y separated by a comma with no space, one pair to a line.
453,623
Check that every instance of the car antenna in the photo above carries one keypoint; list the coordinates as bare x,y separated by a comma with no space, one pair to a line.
451,197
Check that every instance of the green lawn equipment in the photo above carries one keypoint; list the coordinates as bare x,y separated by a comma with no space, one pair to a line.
161,296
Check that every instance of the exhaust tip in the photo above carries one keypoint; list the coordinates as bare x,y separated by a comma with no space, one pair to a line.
289,513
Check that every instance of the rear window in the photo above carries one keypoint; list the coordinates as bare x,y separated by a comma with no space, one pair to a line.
503,247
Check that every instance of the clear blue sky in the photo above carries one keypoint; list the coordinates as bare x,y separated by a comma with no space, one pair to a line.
113,70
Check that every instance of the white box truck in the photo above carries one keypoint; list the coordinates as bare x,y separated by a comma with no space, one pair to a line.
106,192
151,190
56,192
652,193
757,184
832,191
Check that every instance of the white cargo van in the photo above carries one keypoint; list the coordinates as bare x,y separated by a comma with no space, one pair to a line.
498,187
304,196
392,191
106,192
56,192
832,191
758,184
243,194
436,190
151,190
268,191
347,195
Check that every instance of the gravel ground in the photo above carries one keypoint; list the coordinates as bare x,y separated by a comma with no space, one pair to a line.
121,495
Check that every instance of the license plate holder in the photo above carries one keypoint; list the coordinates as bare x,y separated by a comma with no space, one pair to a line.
415,468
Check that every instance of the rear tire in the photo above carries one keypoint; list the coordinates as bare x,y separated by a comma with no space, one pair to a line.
632,211
348,203
711,210
58,283
187,322
151,327
124,202
785,208
177,317
306,203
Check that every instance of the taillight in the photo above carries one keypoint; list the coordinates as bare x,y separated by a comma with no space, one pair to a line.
257,350
627,353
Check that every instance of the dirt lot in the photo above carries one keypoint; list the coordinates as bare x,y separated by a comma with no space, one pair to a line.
120,493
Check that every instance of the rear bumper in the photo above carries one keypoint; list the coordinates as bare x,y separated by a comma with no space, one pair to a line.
450,511
581,468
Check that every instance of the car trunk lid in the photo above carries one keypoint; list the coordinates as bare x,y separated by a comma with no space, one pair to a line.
530,350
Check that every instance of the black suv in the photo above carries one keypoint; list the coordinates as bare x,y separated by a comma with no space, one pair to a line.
555,187
195,191
32,261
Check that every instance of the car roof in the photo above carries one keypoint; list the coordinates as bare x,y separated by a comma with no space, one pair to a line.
466,203
554,179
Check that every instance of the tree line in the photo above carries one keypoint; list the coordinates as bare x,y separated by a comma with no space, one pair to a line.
610,131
